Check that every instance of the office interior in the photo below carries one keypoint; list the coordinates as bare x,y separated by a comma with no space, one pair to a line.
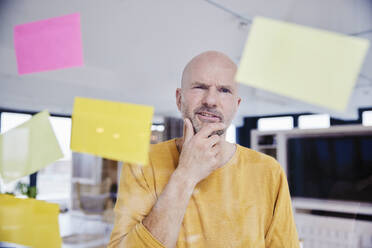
135,51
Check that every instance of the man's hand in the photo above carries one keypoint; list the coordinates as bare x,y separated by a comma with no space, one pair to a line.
200,152
199,157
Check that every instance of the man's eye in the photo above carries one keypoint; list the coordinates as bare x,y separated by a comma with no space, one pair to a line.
225,90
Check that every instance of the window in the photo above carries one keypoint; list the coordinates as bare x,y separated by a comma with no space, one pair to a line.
275,123
314,121
54,181
9,121
231,134
62,129
367,118
157,127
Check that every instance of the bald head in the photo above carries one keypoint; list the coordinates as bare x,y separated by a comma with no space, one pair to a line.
207,62
208,90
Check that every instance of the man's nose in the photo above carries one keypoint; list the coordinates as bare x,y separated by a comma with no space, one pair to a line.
210,98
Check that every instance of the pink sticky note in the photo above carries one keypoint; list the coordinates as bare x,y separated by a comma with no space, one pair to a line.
49,44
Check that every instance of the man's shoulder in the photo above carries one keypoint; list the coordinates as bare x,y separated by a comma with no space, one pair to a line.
258,159
164,146
164,154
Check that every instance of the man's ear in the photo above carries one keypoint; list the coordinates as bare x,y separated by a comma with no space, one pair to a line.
239,100
178,98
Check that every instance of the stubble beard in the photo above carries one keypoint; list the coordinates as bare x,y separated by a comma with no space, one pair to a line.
196,124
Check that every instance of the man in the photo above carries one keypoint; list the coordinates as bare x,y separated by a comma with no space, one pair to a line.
199,190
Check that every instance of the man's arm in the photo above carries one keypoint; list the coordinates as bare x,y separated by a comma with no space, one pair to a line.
165,219
198,159
134,202
282,231
144,221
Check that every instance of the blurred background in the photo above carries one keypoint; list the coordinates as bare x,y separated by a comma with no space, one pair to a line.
135,51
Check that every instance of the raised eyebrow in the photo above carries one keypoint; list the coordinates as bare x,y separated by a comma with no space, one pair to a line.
207,86
199,84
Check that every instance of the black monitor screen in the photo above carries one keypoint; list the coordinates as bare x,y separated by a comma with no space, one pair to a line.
333,168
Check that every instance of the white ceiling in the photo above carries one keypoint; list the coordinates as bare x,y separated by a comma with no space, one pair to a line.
135,50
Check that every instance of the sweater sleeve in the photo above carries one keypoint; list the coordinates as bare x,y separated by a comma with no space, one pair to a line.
134,202
282,231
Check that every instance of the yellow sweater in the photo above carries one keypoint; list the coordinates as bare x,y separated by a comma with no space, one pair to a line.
245,203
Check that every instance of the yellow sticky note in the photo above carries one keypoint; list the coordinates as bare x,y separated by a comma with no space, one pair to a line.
28,148
113,130
312,65
29,222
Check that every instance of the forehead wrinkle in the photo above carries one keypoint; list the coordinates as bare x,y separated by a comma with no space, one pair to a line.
218,85
204,61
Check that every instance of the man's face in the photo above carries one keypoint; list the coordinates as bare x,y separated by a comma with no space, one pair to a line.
209,94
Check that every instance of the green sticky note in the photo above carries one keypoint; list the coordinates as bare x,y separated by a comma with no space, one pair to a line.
316,66
28,148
